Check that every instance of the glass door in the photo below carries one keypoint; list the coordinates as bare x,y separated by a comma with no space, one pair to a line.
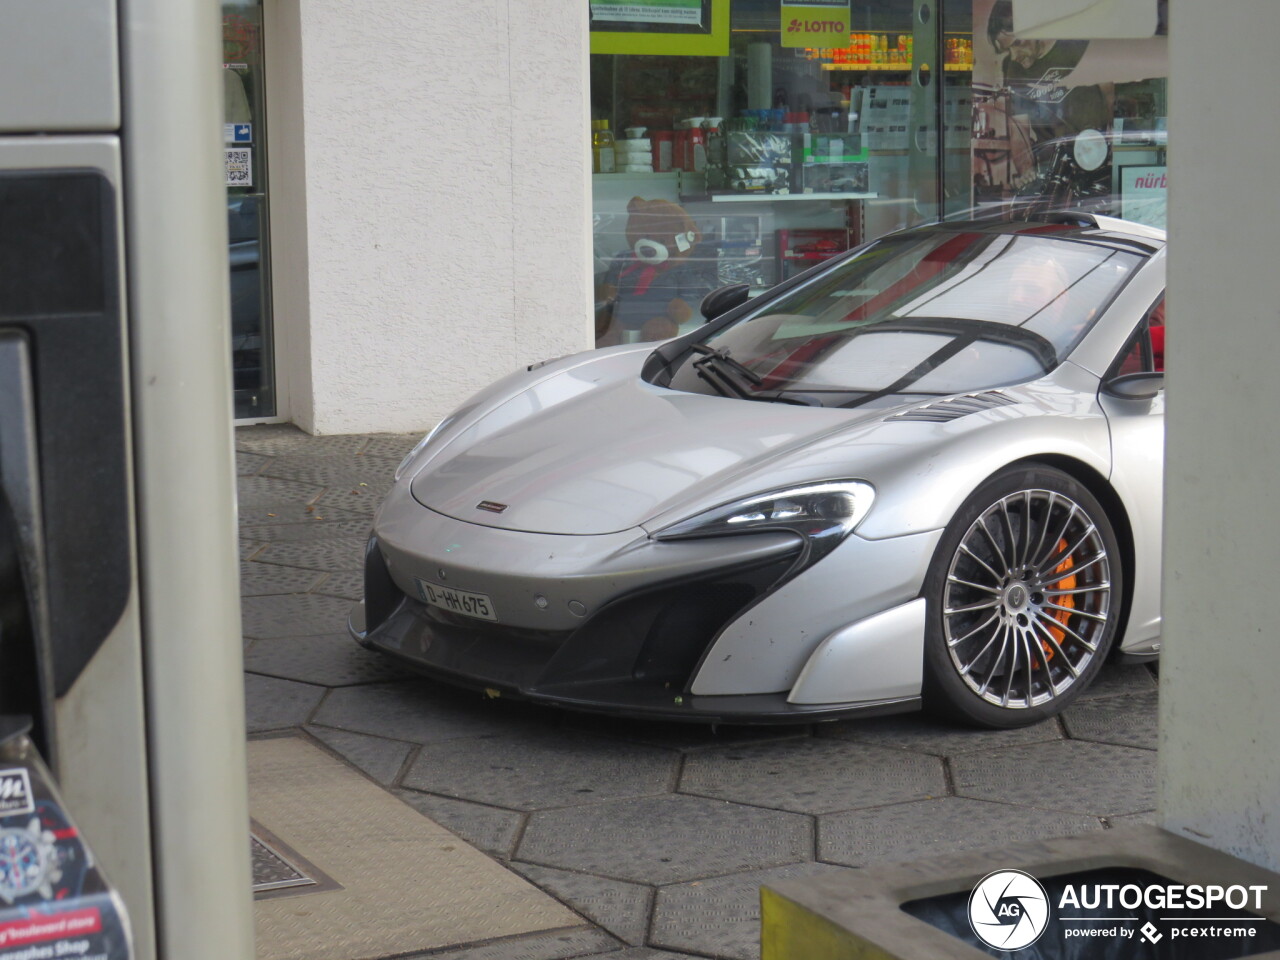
252,356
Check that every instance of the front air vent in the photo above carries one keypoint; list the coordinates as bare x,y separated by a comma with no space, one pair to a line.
955,407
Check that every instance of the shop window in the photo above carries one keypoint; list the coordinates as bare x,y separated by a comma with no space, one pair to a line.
1068,124
247,214
756,163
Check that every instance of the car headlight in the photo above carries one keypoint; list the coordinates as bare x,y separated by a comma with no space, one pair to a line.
823,513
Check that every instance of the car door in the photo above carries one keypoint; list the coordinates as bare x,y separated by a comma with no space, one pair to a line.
1137,473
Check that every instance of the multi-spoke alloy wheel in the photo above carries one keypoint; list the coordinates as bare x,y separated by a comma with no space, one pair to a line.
1025,596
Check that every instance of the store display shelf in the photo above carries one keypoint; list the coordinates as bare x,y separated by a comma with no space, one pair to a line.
786,197
894,67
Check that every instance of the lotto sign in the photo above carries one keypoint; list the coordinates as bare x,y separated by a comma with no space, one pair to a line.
816,23
239,167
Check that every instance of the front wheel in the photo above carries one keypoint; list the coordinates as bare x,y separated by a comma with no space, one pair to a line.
1024,595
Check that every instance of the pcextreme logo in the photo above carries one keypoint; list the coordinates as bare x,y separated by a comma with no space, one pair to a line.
1008,910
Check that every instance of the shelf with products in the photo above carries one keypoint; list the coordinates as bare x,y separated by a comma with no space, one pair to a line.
893,67
892,52
785,197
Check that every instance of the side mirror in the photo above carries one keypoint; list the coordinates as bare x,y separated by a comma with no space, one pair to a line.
719,302
1135,386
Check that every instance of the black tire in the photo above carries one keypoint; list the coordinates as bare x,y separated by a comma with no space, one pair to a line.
1024,594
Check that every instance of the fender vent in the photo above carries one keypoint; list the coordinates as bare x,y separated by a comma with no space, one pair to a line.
955,407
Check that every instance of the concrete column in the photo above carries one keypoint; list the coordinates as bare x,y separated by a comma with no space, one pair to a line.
430,177
1219,703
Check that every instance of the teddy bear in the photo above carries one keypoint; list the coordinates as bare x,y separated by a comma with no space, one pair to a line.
651,288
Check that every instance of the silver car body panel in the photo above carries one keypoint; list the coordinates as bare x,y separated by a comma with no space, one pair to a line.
765,649
881,651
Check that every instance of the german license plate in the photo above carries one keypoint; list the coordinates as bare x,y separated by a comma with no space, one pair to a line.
457,601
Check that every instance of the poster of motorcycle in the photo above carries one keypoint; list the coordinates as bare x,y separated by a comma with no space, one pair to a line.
1049,116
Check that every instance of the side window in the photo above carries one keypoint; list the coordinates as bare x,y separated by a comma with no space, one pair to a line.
1144,352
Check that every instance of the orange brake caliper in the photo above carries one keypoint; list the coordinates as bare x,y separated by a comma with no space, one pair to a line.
1067,600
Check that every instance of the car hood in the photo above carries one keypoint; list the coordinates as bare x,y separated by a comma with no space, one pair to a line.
572,457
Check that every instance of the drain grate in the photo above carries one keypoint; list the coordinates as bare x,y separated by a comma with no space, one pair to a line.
279,870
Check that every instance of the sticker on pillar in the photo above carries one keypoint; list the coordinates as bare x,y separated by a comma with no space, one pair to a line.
15,792
239,166
237,132
815,23
1144,194
54,901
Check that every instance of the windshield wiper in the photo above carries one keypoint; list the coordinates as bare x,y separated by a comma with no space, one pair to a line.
713,358
721,371
715,366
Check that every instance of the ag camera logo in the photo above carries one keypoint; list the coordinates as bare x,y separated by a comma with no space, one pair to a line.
1008,910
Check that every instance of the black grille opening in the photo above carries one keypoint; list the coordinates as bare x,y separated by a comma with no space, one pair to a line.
683,628
659,637
381,595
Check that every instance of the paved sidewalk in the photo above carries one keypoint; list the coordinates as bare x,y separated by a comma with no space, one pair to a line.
656,835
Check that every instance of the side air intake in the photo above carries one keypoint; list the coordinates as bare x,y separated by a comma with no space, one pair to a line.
955,407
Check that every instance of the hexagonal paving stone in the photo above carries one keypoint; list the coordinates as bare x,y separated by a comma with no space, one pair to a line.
681,736
351,499
251,491
665,839
247,464
1115,679
1129,721
272,704
922,733
275,440
421,711
298,615
311,529
1091,778
812,776
584,941
538,769
342,553
265,579
393,446
930,828
330,660
348,584
331,471
492,830
621,908
379,758
254,517
721,917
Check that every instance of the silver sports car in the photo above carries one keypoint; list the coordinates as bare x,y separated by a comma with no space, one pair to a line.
927,472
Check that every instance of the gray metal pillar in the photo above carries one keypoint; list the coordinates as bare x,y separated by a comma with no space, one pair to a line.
1219,709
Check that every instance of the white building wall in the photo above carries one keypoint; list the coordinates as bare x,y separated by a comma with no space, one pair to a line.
430,178
1219,708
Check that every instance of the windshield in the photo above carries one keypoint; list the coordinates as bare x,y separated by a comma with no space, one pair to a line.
931,313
